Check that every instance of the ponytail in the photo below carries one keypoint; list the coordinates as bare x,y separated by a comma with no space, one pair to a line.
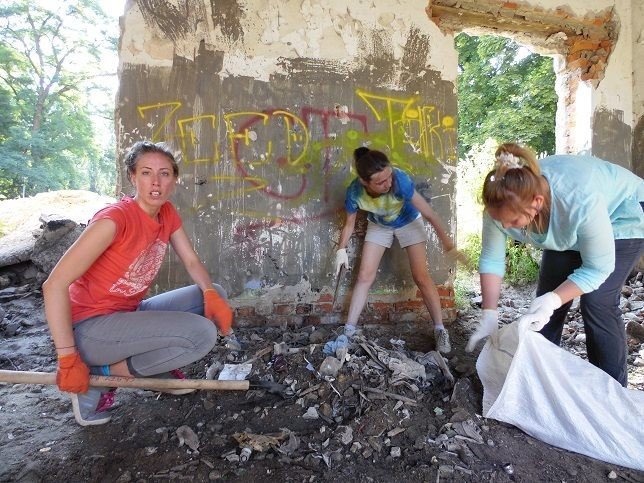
514,181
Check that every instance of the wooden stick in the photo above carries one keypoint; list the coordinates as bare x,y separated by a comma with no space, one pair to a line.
27,377
398,397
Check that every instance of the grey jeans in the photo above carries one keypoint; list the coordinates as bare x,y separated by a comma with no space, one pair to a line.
166,332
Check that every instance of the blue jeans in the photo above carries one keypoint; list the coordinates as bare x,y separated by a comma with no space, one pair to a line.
166,332
603,324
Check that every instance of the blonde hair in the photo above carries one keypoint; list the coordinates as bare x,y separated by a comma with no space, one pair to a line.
515,181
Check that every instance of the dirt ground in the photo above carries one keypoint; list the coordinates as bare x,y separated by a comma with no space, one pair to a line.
413,433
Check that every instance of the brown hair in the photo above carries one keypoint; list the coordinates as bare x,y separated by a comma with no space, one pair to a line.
515,181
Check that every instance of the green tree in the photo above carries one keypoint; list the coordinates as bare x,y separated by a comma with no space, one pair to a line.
504,95
50,58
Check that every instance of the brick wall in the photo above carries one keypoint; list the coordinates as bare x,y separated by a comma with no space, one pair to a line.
320,312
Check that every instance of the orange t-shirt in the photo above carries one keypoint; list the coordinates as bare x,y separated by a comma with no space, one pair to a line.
119,279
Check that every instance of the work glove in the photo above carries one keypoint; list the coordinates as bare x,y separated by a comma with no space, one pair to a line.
454,255
218,310
341,258
540,311
487,327
72,374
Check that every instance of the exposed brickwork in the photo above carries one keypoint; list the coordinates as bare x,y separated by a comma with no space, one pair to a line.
283,309
585,42
303,309
322,312
327,297
246,311
589,56
325,308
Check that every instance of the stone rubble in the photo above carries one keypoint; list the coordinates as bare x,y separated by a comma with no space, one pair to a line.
381,402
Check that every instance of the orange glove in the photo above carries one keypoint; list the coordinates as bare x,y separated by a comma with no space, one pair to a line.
73,373
218,310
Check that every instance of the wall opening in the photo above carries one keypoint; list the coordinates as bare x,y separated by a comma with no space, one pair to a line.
579,45
506,93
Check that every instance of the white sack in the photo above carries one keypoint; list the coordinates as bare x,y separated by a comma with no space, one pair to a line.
560,398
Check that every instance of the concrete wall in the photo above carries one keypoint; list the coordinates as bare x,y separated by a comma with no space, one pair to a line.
638,87
266,102
612,98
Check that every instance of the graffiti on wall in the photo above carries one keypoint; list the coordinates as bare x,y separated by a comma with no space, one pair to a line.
416,137
269,184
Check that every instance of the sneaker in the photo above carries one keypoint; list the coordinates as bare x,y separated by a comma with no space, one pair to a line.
350,330
174,374
85,408
442,341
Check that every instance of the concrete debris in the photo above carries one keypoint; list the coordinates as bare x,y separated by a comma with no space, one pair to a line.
635,330
311,413
188,437
344,434
292,445
469,430
330,367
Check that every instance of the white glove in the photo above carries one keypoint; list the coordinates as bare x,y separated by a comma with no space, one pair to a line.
540,311
341,258
487,327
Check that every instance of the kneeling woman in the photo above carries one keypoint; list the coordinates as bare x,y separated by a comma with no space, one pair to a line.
94,304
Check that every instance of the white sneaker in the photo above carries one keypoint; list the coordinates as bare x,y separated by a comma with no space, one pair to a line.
442,340
85,408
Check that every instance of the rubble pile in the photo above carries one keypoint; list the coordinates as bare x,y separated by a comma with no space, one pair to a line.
384,404
361,402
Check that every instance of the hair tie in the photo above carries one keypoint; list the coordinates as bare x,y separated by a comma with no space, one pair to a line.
509,161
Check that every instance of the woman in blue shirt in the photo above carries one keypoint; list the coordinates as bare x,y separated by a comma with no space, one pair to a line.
586,214
394,210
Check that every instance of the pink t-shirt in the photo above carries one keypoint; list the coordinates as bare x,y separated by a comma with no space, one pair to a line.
119,279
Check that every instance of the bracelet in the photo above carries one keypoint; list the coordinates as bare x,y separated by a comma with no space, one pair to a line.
66,347
209,290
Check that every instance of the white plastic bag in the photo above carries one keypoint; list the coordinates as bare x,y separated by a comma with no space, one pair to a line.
560,398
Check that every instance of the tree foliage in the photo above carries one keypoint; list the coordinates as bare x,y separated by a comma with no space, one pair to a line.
504,94
50,59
